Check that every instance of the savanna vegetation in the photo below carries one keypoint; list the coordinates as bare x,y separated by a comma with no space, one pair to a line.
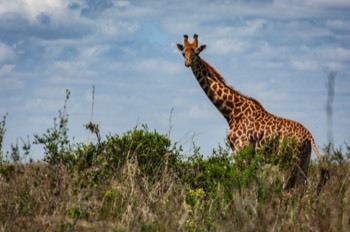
142,181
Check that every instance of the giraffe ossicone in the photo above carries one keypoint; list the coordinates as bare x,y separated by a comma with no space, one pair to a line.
249,122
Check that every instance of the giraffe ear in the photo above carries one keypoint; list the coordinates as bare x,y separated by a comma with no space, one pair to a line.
201,48
180,47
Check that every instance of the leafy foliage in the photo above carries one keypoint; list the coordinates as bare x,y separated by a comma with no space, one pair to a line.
152,152
56,142
15,154
335,155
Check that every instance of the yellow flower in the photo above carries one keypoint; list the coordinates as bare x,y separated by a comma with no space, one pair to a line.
109,193
188,208
200,193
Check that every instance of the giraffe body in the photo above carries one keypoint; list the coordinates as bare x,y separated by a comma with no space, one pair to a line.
249,122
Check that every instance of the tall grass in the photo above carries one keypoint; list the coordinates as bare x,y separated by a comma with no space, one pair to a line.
41,196
140,181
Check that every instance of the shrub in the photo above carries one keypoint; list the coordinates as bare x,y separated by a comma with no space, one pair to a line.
152,151
207,173
57,147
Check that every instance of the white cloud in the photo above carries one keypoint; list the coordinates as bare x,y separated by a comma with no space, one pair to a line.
338,53
269,64
337,24
201,111
41,105
312,3
117,28
32,8
10,83
57,92
228,46
325,3
162,66
6,69
252,27
335,66
6,53
243,29
306,65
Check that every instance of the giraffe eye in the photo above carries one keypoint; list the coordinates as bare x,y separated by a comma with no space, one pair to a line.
183,54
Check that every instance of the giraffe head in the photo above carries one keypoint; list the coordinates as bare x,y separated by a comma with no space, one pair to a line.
190,51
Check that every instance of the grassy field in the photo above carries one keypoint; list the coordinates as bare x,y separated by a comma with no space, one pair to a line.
131,185
141,181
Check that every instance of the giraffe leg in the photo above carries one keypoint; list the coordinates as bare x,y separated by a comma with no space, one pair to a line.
230,139
290,178
237,143
303,169
298,174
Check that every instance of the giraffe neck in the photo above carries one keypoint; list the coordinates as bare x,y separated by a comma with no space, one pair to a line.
226,100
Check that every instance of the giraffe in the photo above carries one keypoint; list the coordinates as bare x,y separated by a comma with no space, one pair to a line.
249,123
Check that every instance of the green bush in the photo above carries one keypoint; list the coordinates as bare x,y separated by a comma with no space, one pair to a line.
57,146
248,168
151,151
207,173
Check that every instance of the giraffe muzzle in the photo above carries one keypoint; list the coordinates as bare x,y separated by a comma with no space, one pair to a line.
187,64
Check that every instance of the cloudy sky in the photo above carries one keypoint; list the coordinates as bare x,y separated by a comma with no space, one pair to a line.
279,52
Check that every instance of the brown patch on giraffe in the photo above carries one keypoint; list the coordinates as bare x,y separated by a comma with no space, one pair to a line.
226,111
219,92
219,103
230,104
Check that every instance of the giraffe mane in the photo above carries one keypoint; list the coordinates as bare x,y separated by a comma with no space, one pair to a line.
222,80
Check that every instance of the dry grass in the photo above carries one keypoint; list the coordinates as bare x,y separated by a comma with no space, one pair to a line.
42,197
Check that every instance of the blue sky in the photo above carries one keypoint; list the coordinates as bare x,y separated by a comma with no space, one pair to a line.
279,52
